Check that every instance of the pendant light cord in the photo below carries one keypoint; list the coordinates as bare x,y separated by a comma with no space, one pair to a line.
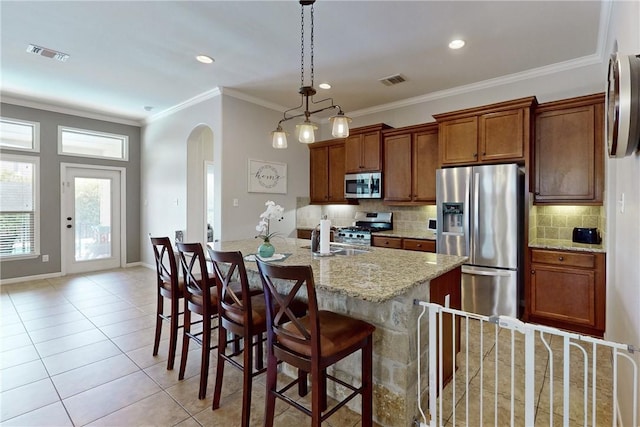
302,46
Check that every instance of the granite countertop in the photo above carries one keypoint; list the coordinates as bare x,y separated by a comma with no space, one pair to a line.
406,234
377,275
567,245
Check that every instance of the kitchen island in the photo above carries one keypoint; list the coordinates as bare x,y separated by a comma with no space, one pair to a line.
379,286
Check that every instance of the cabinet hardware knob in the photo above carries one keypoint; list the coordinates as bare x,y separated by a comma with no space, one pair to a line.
560,258
69,226
419,245
533,272
537,193
475,154
484,153
68,218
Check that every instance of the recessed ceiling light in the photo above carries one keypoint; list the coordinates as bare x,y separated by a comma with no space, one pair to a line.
456,44
324,86
204,59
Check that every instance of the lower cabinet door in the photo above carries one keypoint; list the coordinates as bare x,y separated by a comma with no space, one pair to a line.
563,294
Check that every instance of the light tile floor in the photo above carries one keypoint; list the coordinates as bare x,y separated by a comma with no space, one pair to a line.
77,350
482,385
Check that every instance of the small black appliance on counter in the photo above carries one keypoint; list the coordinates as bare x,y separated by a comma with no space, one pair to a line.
586,235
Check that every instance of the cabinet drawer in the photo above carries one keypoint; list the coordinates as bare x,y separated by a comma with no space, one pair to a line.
303,234
386,242
419,245
573,259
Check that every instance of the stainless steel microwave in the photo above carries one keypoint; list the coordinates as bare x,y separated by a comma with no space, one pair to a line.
363,185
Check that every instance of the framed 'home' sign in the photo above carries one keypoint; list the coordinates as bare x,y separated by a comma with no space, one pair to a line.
267,177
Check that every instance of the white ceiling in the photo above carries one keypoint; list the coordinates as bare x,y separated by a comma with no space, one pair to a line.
125,55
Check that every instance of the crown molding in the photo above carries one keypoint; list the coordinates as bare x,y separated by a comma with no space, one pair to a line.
39,105
212,93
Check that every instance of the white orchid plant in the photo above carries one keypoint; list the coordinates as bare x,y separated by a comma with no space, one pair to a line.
273,212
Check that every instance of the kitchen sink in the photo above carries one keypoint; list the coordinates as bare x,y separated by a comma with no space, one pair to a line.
342,250
348,251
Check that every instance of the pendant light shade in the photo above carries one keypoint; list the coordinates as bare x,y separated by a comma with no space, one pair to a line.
306,130
340,125
279,138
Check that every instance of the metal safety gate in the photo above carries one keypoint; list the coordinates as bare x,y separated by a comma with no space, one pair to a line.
508,372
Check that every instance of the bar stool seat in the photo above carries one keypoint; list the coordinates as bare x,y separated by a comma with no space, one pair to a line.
337,333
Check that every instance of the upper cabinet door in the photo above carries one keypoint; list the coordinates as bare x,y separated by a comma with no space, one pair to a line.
459,141
336,173
425,164
569,151
397,168
363,152
319,174
371,144
501,136
326,172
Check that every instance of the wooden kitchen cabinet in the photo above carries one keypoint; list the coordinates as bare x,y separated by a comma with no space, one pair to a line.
567,290
386,242
326,180
569,151
410,163
496,133
422,245
439,288
363,149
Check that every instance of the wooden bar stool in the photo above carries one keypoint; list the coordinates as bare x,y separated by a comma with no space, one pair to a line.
169,286
312,343
200,298
241,311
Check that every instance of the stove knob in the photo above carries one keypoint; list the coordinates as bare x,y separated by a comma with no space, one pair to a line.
350,234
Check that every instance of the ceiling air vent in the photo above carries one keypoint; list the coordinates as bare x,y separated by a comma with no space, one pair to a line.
393,80
49,53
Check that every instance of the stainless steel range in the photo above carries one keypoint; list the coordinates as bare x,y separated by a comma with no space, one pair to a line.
365,224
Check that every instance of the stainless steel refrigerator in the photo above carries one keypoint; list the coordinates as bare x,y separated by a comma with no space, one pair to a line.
480,215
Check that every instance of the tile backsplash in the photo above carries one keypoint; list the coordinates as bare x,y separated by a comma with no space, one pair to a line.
557,222
405,218
545,222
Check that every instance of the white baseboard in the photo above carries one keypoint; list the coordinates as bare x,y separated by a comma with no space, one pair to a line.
29,278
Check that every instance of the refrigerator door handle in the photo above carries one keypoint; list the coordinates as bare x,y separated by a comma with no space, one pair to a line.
468,227
499,273
476,211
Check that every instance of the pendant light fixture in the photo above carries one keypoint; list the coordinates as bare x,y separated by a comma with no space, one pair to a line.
306,129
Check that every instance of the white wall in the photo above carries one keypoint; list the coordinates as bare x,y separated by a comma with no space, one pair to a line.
623,228
164,170
241,130
247,135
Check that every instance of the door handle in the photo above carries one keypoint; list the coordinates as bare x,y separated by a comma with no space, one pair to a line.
485,273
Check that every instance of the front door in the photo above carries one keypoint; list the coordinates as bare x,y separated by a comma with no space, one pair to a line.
91,219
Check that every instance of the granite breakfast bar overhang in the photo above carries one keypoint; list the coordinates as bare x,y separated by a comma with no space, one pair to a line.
378,286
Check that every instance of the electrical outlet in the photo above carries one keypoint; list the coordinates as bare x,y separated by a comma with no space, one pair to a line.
45,258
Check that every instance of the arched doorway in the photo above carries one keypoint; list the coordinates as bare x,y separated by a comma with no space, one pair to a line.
199,166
